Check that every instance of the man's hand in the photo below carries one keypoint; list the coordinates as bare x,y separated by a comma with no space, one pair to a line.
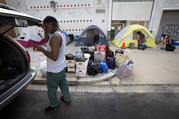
55,43
38,48
40,24
43,26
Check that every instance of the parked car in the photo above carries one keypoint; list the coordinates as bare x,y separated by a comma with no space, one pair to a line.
15,70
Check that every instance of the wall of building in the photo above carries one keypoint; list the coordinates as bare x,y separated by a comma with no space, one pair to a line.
169,24
131,11
156,19
73,15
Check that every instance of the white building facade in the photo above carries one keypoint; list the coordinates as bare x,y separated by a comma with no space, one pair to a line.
159,16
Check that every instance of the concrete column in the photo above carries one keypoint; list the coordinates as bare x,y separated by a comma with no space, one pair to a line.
156,16
109,17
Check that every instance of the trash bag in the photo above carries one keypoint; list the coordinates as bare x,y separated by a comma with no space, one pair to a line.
43,68
85,49
120,58
125,69
111,62
120,51
170,47
104,67
79,57
88,51
70,56
93,68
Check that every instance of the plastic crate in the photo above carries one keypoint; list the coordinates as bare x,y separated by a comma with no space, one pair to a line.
81,72
82,65
70,63
71,69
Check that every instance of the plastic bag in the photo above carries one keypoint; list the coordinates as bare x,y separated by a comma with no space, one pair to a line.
120,58
69,56
99,56
90,51
170,47
79,57
43,68
125,69
93,68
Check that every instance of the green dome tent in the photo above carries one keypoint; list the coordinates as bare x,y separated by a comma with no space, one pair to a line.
122,35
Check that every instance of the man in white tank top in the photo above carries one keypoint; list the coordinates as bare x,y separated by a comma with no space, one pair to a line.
56,62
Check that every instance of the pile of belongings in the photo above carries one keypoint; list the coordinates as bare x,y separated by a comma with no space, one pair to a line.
101,59
124,65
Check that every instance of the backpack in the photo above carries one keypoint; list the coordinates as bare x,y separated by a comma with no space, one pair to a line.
170,47
111,62
104,67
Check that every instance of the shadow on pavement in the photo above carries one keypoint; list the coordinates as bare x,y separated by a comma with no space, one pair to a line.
31,104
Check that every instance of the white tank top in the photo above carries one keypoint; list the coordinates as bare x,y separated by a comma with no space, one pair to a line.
60,63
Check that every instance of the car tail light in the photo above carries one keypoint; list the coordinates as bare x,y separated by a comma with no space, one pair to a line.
28,55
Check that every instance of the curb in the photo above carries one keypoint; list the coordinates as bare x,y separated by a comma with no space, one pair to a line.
76,81
98,79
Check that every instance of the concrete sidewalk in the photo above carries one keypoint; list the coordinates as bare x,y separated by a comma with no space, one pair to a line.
152,66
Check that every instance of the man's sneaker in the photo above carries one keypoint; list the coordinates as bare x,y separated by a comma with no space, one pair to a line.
67,102
48,109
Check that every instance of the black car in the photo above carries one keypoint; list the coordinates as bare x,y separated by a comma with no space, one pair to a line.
15,70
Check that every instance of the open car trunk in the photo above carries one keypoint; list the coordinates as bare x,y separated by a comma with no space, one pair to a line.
13,64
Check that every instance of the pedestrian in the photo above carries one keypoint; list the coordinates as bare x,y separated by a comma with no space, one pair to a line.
141,40
56,62
163,41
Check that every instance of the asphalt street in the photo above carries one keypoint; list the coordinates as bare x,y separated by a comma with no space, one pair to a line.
31,104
